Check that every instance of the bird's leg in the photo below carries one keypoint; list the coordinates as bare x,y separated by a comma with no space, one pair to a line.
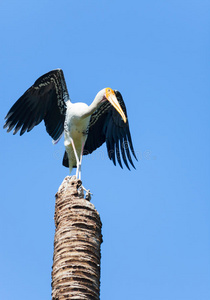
88,193
76,156
80,161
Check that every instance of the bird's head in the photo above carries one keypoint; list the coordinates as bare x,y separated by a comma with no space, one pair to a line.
108,94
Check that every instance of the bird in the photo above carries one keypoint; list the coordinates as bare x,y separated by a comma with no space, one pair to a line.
85,127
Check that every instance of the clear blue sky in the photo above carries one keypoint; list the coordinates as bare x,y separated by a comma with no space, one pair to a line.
156,225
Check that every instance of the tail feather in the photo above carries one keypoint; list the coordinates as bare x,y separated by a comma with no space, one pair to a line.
66,161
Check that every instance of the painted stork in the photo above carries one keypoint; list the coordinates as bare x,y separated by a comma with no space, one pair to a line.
85,127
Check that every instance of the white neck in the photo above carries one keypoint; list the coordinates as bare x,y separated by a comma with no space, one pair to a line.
92,107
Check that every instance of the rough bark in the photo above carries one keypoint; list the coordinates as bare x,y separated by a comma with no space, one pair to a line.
76,259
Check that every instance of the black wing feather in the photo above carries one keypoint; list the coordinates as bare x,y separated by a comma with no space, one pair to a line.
118,154
44,100
106,125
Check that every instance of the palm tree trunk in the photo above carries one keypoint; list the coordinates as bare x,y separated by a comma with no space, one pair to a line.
76,259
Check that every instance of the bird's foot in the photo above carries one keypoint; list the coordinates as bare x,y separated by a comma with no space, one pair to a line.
81,191
88,193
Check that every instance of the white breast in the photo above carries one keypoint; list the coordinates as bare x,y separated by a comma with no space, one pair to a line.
75,125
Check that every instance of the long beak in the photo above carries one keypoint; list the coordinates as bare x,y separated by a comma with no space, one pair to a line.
110,95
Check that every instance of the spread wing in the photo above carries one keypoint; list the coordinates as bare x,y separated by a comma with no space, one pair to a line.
107,125
44,100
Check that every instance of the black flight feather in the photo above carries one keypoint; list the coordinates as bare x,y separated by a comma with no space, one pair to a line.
44,100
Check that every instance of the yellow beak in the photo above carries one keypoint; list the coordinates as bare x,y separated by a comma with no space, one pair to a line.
110,96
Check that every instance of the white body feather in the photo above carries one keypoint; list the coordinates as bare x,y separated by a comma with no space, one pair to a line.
75,128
